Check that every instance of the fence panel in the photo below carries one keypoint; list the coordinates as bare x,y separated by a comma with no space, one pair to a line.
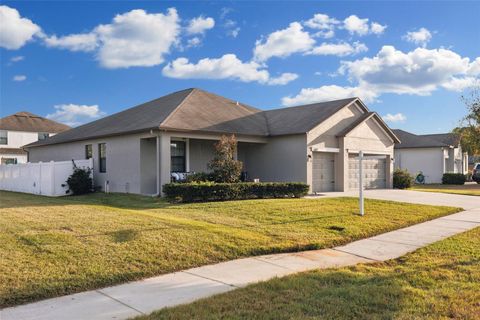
45,178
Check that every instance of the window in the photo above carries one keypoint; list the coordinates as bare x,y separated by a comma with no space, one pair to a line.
177,154
88,151
9,160
43,135
102,157
3,137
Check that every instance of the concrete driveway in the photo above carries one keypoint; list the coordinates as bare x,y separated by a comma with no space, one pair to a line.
421,197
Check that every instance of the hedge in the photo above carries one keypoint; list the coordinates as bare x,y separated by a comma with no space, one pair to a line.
454,178
210,191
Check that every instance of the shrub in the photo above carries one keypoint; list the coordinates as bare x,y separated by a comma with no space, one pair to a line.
454,178
224,166
80,181
200,177
402,179
211,191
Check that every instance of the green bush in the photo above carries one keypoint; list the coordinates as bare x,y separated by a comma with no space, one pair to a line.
224,166
80,181
211,191
200,177
402,179
454,178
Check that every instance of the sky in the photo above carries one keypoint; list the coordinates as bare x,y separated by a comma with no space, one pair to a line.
75,62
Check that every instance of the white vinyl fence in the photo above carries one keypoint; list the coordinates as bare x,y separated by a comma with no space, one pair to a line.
45,178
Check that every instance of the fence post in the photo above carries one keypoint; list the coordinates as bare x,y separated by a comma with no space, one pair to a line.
52,167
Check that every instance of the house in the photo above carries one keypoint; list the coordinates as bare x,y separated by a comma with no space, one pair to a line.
22,128
136,150
431,154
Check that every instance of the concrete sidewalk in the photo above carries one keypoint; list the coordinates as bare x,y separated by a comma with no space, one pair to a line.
142,297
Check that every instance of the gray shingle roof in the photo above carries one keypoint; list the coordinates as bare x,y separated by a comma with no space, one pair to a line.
302,119
410,140
29,122
200,111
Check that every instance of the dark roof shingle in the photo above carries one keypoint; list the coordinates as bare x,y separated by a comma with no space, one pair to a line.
301,119
410,140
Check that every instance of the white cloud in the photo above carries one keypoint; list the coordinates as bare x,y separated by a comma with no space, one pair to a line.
328,93
283,79
75,42
325,24
361,27
418,72
460,84
200,24
474,68
377,28
398,117
133,39
194,42
15,31
354,24
74,114
420,37
338,49
226,67
283,43
17,58
19,78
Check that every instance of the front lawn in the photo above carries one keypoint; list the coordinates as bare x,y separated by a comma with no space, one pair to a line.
441,281
57,246
468,189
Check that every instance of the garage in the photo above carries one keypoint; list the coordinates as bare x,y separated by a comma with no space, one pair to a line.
323,172
374,172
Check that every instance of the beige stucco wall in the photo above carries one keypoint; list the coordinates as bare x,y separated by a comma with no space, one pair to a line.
123,160
431,161
200,153
283,158
324,135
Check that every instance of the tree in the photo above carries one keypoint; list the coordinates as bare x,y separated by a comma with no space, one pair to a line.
469,129
225,167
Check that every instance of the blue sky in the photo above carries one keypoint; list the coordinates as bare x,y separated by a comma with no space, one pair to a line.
77,61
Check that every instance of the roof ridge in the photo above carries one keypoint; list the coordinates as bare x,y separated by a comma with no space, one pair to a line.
310,104
179,106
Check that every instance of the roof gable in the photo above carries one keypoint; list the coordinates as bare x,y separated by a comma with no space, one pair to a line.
29,122
377,119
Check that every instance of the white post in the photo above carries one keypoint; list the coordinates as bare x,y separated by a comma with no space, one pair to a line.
360,182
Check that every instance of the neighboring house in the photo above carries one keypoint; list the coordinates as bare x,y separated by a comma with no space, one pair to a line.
136,150
432,154
20,129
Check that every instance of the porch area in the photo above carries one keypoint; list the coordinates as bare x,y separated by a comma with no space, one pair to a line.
168,153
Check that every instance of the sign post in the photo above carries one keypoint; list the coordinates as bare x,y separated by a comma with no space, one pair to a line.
360,182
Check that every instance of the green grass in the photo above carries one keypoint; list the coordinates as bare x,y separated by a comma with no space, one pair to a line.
57,246
467,189
441,281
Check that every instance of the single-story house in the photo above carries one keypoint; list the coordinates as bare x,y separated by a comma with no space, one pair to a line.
20,129
431,154
137,150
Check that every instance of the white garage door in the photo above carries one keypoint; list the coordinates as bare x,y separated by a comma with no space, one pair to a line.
323,172
374,172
